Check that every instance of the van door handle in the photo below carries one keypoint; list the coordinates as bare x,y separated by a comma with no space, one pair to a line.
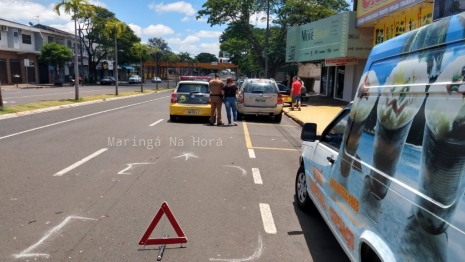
330,159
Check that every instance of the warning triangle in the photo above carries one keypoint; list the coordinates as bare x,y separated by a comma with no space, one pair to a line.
164,209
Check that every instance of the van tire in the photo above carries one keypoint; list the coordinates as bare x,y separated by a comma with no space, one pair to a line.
301,195
278,118
239,116
368,255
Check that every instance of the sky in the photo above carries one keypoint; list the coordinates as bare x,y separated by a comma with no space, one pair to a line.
171,20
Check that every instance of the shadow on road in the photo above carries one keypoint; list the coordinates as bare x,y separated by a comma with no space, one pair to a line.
321,242
190,120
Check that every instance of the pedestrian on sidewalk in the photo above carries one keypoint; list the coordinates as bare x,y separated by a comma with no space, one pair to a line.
216,97
230,92
296,92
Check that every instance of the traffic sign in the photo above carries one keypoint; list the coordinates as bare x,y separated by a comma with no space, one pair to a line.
164,209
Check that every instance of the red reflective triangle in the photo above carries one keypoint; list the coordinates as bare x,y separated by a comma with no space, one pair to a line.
164,209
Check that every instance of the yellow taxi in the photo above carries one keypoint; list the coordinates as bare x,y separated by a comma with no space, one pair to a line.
285,92
190,98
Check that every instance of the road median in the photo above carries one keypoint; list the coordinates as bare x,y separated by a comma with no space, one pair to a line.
46,106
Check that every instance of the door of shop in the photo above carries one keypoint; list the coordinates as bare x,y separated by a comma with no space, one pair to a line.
332,81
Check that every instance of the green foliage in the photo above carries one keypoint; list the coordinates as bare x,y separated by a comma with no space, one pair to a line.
159,48
206,58
247,42
56,55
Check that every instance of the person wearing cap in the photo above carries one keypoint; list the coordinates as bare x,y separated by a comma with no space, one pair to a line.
216,98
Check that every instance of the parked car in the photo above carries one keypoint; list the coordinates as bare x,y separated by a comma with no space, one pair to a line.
260,97
135,79
108,80
286,92
155,79
387,174
190,98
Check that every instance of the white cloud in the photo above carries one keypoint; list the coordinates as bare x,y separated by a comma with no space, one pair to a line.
189,40
20,11
201,19
68,27
180,7
158,30
259,19
185,19
137,29
208,34
98,3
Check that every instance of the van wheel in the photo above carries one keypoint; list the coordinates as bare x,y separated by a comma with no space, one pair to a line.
239,116
301,194
278,118
172,118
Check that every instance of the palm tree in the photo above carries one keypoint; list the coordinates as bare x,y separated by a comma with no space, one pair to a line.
116,28
140,50
75,8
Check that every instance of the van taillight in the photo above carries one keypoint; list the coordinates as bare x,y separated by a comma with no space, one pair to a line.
241,98
174,98
280,99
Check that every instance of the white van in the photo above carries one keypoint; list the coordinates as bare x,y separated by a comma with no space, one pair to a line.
388,174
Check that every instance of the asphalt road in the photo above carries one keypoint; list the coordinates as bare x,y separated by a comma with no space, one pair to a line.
84,183
13,96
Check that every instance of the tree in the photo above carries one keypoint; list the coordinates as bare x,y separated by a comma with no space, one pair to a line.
172,59
184,57
206,58
285,13
56,55
159,48
140,50
75,8
114,27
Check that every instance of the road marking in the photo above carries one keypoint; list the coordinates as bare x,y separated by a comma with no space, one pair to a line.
77,118
251,153
156,122
256,176
276,148
131,166
80,162
244,172
256,255
248,143
9,102
26,253
187,156
267,217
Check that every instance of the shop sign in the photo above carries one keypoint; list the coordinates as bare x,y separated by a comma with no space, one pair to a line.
332,37
110,66
343,61
369,10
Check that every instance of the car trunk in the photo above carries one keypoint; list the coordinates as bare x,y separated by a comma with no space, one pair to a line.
265,96
193,94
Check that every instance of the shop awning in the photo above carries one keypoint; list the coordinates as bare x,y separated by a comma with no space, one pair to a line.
289,68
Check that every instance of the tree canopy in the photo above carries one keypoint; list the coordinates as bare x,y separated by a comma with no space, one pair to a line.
56,55
206,58
247,42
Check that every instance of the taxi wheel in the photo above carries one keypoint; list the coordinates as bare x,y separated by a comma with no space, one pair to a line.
172,118
301,195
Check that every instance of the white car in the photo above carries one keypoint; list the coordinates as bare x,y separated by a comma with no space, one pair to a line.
156,79
135,79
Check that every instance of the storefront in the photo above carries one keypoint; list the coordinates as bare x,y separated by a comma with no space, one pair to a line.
391,18
331,54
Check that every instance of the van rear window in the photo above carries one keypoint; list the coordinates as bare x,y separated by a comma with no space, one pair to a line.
260,88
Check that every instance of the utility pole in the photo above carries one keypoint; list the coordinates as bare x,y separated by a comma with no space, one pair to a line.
76,69
267,36
116,65
82,57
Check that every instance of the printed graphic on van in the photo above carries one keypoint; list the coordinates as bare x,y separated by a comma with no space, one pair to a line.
406,134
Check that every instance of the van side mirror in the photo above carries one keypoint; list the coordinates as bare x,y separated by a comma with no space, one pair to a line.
308,132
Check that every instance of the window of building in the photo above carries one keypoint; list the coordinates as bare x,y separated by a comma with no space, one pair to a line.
27,39
69,44
51,39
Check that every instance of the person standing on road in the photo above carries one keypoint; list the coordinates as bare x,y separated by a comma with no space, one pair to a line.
216,98
230,92
296,92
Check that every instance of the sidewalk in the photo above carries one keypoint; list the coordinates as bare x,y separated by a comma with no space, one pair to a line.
319,110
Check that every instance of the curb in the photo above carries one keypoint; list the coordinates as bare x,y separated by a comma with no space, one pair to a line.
54,108
298,121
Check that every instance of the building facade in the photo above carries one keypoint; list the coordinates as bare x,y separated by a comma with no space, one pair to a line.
174,70
20,48
331,54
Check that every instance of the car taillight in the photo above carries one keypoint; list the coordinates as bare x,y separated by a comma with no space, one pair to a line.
209,101
174,98
241,98
280,99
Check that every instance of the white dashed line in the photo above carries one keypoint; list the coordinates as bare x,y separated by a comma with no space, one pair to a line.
251,153
80,162
256,176
267,217
156,122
